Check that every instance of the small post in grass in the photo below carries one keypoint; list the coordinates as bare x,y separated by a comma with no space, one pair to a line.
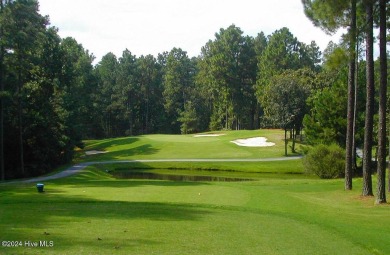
40,187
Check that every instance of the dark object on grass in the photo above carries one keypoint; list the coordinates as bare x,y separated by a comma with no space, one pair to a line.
40,187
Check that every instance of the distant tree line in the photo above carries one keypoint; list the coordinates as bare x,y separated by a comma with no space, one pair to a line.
53,97
220,89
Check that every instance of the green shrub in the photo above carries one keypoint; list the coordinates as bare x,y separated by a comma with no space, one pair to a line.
326,161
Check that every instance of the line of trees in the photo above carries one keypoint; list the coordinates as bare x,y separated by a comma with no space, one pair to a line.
361,17
45,90
53,97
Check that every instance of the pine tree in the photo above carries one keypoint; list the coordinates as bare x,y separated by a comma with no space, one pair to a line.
331,15
23,28
351,100
381,168
2,52
370,90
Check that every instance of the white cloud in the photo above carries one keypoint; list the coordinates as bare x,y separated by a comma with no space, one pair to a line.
153,26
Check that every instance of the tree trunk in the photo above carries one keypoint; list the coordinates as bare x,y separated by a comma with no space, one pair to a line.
226,117
2,169
351,98
285,141
257,117
130,112
20,117
381,167
354,146
146,127
293,139
369,120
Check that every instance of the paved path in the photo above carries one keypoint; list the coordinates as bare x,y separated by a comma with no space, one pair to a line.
81,166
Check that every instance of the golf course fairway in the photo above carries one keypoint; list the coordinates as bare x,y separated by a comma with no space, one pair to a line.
275,209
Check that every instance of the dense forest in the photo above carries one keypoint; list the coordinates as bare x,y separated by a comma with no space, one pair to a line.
53,97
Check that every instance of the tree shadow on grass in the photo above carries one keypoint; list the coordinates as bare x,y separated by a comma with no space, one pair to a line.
107,143
138,183
100,178
24,209
128,149
86,222
24,199
145,149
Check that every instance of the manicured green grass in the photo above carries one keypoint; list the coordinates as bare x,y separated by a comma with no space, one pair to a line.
280,211
93,213
186,146
271,167
190,147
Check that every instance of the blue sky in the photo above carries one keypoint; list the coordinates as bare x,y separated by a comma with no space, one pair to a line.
154,26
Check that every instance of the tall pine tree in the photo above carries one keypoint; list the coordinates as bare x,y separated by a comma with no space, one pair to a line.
370,92
381,168
330,16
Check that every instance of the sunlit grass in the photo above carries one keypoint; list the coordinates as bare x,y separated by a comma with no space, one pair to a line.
94,213
279,211
186,146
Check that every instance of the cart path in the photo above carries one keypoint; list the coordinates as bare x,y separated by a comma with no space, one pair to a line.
81,166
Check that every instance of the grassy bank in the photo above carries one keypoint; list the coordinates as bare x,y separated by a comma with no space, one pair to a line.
93,213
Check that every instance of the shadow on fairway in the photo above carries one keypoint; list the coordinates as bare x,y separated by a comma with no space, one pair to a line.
36,211
53,202
48,219
145,149
101,179
107,143
126,149
136,183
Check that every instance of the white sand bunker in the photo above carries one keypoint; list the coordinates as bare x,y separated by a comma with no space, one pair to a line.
253,142
208,135
88,153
